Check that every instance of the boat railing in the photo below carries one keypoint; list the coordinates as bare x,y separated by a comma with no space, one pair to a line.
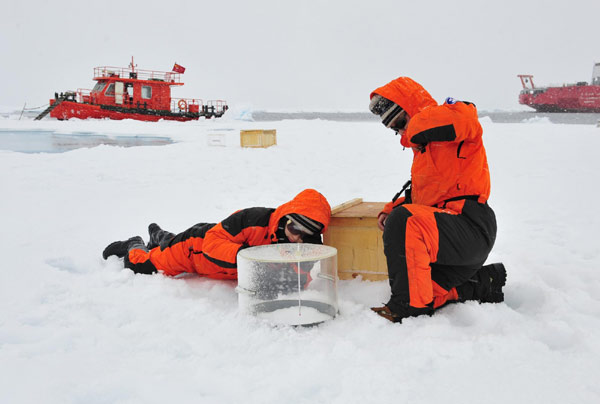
83,95
577,84
218,105
195,105
127,73
186,105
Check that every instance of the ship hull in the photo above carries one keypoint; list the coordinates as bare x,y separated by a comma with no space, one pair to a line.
575,98
69,109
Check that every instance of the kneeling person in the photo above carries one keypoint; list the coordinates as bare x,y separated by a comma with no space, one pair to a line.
438,236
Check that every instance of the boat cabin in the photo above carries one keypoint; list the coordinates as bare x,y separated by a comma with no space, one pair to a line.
140,89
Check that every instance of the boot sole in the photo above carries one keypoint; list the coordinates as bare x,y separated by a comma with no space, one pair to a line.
498,281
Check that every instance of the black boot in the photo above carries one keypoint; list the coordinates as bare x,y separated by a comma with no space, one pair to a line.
485,286
158,236
497,275
121,248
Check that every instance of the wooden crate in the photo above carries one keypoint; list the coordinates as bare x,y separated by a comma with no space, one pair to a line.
353,231
258,137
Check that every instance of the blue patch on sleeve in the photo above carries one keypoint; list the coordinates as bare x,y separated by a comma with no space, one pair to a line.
450,101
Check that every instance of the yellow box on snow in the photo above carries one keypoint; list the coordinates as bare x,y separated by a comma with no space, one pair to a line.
353,231
258,138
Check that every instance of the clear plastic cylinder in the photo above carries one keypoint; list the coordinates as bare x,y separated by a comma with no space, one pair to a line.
288,284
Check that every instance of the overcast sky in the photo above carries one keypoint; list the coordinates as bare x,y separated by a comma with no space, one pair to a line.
301,55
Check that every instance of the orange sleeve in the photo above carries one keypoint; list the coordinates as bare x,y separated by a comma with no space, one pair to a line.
444,123
387,209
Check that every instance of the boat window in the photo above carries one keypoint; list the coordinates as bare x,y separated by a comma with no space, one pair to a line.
110,91
98,87
146,92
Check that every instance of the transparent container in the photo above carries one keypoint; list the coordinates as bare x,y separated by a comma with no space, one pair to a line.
288,284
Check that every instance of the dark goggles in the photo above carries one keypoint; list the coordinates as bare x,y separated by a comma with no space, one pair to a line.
399,122
293,229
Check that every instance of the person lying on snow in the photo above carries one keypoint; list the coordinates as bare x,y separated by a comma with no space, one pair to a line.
438,236
210,249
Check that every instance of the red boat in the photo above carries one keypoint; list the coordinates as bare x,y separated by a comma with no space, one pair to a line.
131,93
578,97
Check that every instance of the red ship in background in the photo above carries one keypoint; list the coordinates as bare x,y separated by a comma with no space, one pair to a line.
131,93
577,97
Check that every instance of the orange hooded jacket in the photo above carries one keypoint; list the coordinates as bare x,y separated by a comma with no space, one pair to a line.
223,241
453,162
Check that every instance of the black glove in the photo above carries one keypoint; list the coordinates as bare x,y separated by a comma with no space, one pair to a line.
402,310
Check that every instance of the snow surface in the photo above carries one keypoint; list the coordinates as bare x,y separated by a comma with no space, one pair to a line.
77,329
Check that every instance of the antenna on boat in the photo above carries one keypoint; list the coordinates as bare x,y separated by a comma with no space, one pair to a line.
132,74
132,65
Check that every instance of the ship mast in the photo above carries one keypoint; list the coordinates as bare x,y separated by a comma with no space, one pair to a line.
132,65
526,81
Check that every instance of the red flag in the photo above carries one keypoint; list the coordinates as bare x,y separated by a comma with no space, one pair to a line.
178,68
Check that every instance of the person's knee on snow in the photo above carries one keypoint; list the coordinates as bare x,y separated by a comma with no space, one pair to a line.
138,260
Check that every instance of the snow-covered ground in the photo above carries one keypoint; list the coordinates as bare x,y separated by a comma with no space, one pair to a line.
77,329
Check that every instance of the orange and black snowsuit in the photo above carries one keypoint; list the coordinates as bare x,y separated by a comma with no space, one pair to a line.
210,249
441,233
